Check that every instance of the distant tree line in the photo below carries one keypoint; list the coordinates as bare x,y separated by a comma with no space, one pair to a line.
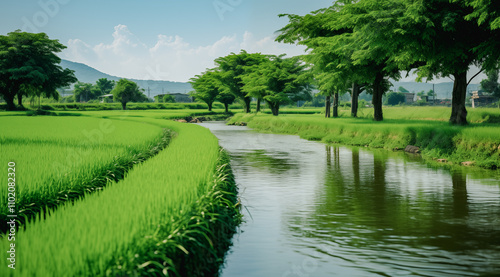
276,80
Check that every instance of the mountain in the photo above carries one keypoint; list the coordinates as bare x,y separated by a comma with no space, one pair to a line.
87,74
443,90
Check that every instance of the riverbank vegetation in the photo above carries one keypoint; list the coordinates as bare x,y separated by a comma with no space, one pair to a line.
478,144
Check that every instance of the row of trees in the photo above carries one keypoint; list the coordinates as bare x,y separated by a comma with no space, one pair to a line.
356,45
273,79
30,67
87,91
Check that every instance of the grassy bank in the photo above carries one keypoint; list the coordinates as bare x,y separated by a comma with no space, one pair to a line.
173,214
478,143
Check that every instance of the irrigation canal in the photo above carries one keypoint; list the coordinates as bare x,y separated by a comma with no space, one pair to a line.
318,210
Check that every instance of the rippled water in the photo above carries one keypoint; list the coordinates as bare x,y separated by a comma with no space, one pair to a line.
318,210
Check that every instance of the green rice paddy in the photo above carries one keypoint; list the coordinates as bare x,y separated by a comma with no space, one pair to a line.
165,209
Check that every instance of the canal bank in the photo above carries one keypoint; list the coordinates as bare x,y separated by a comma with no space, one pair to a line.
439,143
316,210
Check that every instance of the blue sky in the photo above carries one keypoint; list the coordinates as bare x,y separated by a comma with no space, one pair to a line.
156,39
159,39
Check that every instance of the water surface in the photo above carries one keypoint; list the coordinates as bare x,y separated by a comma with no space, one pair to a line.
318,210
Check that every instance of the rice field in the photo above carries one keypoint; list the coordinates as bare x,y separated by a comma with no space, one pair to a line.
167,210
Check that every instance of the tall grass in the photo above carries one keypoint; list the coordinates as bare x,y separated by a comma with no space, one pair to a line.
107,232
437,140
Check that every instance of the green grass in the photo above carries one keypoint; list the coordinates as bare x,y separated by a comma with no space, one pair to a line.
479,143
107,232
61,158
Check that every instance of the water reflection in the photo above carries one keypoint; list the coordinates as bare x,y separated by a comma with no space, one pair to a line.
321,210
392,220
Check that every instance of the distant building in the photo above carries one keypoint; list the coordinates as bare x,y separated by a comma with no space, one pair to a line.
478,99
410,97
106,98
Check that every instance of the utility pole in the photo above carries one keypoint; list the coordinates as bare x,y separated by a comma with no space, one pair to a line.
433,95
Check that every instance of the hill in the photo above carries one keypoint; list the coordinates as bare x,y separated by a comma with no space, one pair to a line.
87,74
443,90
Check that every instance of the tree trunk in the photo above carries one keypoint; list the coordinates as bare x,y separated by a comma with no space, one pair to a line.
210,106
124,105
378,92
258,105
336,104
20,100
226,106
9,99
327,107
247,101
354,99
458,111
275,107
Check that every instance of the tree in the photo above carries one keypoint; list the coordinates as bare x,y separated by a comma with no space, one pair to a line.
491,85
104,86
395,98
83,92
127,91
233,67
207,87
227,99
312,31
29,66
276,80
444,40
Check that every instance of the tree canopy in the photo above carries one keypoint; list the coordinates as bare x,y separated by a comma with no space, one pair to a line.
233,67
276,80
207,87
127,91
29,66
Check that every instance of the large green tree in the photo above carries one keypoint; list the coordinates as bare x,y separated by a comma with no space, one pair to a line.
233,67
312,31
277,80
127,91
207,87
444,39
29,66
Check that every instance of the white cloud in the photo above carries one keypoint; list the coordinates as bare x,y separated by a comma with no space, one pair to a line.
171,58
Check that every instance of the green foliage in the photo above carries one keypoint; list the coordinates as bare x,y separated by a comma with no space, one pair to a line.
491,85
208,87
29,66
104,86
277,80
127,91
437,139
233,67
395,98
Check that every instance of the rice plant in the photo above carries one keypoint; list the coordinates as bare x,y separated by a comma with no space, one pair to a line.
88,237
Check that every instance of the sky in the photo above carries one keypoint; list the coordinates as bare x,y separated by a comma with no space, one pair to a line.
171,40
